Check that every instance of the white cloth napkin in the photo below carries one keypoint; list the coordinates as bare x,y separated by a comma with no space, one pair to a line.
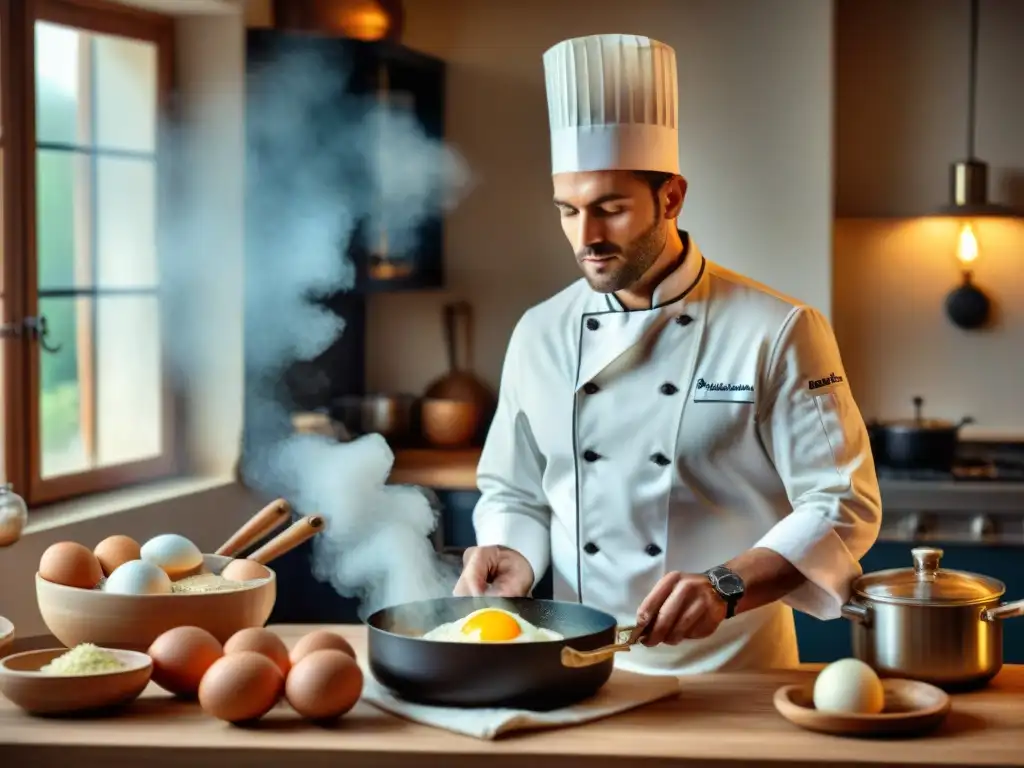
624,691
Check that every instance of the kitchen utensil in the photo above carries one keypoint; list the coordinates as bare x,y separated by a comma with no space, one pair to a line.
916,443
930,624
393,416
459,384
911,707
257,527
133,622
527,675
13,515
627,636
44,694
297,533
450,423
6,635
318,423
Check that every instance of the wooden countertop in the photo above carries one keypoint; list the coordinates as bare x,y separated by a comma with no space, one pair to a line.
453,470
718,720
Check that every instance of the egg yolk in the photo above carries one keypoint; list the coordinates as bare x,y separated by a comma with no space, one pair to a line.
493,626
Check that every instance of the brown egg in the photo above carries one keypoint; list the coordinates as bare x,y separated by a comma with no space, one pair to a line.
324,685
261,641
241,687
116,550
320,640
181,656
70,564
244,570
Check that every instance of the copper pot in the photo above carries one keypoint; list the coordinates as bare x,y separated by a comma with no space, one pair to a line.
450,423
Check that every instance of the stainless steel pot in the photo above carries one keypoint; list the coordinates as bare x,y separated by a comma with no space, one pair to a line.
924,623
391,416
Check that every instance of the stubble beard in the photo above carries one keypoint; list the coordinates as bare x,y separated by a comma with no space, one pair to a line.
639,256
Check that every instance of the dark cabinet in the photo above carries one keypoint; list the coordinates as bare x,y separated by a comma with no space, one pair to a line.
315,125
458,534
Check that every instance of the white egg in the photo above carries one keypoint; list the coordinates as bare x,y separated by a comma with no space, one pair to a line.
175,554
849,686
491,625
137,577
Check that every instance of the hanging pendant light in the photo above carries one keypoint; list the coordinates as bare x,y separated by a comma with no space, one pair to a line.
968,178
967,306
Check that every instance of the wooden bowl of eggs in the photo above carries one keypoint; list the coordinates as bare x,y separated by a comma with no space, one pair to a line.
128,606
122,595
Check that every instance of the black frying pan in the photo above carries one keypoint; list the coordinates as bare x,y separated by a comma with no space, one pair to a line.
527,675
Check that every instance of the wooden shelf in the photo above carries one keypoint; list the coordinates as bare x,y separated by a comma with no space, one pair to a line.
439,469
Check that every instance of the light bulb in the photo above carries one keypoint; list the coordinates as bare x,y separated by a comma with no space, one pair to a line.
967,305
967,246
363,20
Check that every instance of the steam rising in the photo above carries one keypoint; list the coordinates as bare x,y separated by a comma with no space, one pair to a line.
314,172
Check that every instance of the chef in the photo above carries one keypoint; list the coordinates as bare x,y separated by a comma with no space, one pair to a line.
677,441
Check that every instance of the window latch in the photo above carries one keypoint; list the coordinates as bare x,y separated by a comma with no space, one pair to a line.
34,327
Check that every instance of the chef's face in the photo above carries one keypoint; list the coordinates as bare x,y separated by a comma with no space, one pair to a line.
617,222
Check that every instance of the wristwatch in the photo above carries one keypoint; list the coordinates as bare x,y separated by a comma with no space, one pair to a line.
728,585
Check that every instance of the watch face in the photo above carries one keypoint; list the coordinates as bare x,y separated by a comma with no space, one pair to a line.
730,584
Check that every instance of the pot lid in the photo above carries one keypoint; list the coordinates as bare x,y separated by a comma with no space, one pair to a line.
926,582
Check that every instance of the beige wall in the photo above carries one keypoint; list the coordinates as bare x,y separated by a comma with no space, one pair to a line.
211,79
755,139
901,74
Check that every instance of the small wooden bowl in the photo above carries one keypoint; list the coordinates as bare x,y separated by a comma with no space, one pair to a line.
44,694
910,707
132,622
6,635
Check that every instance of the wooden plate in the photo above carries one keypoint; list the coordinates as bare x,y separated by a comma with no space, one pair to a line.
44,694
910,707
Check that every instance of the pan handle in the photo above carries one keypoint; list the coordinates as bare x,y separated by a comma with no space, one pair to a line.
625,639
1007,611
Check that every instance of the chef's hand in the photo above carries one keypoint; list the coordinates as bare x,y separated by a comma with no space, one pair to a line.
496,571
682,606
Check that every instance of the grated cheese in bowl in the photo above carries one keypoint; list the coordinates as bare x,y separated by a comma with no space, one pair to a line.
84,659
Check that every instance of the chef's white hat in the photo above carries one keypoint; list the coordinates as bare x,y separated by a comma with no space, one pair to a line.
612,104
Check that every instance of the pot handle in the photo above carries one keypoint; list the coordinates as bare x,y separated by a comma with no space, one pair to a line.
856,613
964,422
1007,611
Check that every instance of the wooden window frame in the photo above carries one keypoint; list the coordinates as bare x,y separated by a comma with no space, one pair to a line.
22,372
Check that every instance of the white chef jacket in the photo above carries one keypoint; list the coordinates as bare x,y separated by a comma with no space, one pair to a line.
630,443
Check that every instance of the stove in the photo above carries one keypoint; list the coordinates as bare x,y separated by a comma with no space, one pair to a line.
980,501
968,470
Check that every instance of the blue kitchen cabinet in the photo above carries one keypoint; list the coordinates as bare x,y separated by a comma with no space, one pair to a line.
458,529
302,598
335,122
